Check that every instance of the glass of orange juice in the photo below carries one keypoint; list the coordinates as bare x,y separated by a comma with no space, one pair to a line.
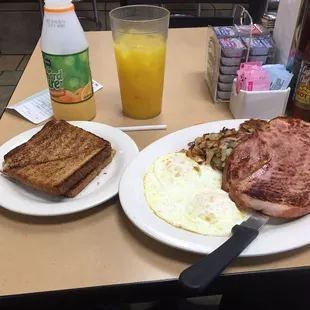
140,36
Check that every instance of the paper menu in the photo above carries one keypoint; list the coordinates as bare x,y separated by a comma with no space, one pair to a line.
37,108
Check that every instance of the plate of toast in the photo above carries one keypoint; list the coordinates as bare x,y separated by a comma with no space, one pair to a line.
63,167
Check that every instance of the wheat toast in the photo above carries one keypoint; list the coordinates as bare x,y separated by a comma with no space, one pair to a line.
56,140
75,190
58,158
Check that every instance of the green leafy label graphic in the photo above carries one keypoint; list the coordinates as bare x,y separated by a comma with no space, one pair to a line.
69,77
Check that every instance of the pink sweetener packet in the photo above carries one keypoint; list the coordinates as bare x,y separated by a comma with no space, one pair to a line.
246,72
240,78
251,68
258,75
251,65
246,78
258,85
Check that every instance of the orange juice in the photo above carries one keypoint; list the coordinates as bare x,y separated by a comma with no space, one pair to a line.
85,110
141,65
76,105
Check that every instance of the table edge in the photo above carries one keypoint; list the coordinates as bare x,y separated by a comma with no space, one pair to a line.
266,280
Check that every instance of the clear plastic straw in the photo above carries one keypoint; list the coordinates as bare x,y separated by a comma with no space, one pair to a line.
240,16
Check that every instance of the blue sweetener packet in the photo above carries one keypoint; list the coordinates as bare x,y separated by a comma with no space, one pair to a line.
273,66
279,77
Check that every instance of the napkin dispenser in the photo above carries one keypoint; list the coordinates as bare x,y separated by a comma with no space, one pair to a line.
258,104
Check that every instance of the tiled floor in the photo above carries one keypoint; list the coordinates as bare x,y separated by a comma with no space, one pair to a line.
23,63
5,95
10,78
11,69
10,62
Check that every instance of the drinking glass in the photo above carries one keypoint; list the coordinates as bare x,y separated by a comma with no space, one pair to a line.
140,36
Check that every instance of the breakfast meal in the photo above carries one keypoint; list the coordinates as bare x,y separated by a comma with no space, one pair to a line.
263,166
61,159
189,196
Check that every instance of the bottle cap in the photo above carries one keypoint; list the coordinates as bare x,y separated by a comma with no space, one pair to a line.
57,4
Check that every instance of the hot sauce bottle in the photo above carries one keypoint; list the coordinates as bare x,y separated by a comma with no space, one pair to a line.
301,107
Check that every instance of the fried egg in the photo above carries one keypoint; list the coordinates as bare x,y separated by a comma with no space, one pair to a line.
189,196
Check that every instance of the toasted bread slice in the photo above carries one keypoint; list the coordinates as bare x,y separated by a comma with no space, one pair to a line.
70,155
74,191
55,141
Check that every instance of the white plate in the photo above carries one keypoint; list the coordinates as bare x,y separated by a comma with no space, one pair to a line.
21,199
275,237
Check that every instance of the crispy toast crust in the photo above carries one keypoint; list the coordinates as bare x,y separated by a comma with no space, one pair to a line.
76,189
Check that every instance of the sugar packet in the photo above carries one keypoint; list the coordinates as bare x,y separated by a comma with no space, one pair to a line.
280,78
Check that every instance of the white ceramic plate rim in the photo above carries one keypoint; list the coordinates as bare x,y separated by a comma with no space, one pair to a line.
273,238
18,198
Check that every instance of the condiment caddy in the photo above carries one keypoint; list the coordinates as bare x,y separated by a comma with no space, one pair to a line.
227,48
258,104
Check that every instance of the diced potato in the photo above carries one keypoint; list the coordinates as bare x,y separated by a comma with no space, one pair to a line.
214,148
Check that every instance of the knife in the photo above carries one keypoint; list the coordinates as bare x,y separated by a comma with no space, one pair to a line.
197,277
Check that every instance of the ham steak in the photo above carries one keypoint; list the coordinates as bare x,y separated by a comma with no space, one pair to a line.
269,171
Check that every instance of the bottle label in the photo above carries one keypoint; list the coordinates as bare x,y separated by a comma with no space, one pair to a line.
302,95
69,77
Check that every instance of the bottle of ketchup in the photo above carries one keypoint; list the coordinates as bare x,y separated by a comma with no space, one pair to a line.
301,107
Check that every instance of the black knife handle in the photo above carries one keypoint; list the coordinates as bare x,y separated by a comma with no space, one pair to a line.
197,277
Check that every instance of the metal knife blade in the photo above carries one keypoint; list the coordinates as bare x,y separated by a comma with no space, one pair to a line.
256,221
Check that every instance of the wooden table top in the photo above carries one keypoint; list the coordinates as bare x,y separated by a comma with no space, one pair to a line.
101,246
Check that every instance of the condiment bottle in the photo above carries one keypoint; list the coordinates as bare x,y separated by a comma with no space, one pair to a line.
301,107
66,60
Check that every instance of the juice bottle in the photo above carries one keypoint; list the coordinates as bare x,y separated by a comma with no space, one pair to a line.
66,60
301,107
140,62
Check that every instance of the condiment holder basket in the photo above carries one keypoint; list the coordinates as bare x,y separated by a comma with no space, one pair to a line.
220,67
258,104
